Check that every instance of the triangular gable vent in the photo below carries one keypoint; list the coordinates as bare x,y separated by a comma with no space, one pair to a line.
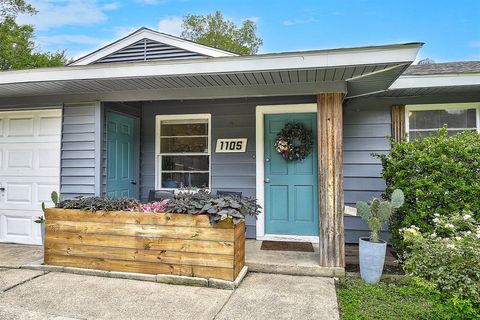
149,50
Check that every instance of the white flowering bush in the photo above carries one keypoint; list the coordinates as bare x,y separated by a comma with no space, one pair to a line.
447,259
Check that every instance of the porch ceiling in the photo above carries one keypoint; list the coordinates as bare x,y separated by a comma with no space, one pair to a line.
352,71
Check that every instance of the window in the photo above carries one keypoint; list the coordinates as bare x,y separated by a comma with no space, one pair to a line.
183,151
425,119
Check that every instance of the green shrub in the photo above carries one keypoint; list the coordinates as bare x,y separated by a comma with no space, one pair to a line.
438,174
447,261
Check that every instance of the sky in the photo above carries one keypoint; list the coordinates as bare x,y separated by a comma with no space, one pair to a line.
449,28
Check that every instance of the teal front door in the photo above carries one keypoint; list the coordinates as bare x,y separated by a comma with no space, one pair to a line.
121,173
291,196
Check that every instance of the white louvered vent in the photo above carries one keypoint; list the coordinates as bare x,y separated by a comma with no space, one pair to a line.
148,50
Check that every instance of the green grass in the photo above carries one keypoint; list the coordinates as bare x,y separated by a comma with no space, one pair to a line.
387,300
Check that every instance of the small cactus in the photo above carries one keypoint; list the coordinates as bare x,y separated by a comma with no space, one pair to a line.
378,212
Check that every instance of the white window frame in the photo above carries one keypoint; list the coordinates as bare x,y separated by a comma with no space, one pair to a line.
158,154
440,106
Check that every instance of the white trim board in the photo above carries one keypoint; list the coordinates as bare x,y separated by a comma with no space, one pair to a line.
438,80
260,112
258,63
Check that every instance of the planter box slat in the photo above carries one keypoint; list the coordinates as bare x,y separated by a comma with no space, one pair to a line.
134,230
179,244
140,267
162,256
164,219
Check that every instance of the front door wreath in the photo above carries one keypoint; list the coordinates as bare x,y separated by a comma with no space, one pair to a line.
294,142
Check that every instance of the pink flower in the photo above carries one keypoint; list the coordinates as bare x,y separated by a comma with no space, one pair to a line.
155,206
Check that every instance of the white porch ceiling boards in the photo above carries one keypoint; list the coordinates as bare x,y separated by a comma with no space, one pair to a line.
365,70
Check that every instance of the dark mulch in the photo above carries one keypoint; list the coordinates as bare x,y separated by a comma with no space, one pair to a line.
391,266
396,270
287,246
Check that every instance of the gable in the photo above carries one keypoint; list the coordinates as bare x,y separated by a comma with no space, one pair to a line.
149,50
149,45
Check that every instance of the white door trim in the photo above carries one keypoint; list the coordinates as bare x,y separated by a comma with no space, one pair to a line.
260,112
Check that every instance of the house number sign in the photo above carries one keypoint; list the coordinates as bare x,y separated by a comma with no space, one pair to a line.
231,145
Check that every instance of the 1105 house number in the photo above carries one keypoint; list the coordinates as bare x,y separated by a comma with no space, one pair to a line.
231,145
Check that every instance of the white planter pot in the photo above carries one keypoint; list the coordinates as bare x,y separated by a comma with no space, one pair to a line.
372,258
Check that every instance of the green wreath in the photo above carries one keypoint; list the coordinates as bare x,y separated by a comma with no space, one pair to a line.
294,142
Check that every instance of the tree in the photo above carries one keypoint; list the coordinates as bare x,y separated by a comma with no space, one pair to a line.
11,8
217,31
17,46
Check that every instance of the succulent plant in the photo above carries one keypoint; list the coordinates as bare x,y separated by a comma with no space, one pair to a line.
378,212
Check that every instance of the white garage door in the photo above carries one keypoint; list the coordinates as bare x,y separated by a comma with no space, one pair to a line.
29,171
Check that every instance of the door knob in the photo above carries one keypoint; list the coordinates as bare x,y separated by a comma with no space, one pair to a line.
267,159
267,180
133,182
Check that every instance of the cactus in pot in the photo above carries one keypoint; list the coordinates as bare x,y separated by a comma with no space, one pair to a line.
372,250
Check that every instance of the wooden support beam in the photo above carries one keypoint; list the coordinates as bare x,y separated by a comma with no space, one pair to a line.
398,123
330,179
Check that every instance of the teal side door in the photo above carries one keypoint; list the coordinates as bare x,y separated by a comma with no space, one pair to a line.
291,195
121,173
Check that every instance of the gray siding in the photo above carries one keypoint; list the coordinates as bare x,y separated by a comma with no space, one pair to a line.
78,155
231,118
365,128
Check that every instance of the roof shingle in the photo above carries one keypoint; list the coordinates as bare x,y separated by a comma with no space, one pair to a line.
444,68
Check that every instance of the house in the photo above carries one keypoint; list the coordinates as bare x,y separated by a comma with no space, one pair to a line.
149,111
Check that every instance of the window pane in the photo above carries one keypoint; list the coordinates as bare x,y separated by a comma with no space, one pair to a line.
472,118
435,119
454,118
424,119
184,129
187,179
180,145
185,163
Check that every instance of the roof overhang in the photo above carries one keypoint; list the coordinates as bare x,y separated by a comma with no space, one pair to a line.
293,73
424,85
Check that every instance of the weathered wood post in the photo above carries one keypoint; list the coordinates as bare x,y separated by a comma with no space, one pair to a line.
398,122
330,179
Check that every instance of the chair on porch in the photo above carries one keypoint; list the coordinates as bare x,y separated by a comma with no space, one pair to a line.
159,195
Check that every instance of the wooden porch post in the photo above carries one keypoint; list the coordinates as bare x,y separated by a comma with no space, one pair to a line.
330,179
398,123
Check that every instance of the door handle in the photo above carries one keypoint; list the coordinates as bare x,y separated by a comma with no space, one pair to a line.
2,189
133,182
267,180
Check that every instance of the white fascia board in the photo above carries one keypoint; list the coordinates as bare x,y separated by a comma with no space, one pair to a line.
438,80
267,62
155,36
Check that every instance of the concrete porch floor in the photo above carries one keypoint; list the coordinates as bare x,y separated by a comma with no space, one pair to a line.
286,262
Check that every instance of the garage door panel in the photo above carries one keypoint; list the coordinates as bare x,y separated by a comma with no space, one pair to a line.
29,171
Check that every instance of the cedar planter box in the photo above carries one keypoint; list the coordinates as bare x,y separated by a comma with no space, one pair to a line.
154,243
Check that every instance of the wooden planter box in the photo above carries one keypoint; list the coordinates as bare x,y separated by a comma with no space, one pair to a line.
154,243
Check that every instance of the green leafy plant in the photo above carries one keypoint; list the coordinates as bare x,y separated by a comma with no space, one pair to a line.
100,204
447,260
439,174
378,212
218,208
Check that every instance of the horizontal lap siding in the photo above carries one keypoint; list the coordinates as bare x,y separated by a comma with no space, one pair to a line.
78,150
233,118
365,130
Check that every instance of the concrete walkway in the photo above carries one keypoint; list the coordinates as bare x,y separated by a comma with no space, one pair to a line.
30,294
